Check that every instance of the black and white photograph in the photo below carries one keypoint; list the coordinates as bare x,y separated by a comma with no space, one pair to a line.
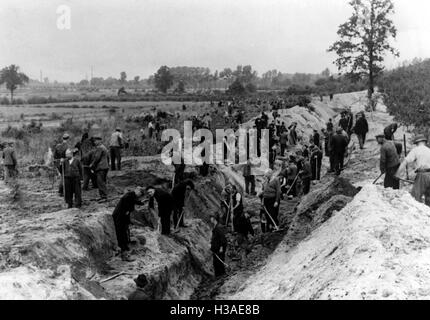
212,156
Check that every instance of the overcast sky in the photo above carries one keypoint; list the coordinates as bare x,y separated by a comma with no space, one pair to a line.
138,36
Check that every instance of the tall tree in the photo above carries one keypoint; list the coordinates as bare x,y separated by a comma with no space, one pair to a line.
13,78
365,39
163,79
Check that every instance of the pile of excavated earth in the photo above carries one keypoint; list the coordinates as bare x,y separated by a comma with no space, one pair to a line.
347,239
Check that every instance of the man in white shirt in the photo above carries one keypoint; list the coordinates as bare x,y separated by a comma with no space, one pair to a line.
116,143
420,158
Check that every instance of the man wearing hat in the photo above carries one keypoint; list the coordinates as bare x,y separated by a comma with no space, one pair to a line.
9,162
59,156
389,163
115,146
100,166
420,158
72,178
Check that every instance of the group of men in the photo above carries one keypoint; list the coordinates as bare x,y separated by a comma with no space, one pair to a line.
88,160
167,204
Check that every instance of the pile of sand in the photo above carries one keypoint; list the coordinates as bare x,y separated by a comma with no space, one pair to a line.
377,247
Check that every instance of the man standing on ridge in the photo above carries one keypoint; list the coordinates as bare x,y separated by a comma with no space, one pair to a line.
389,163
420,157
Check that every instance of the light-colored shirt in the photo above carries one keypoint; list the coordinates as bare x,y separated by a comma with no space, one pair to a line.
419,156
116,139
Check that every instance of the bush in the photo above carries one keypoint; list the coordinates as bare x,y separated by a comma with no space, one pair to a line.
406,93
4,101
14,133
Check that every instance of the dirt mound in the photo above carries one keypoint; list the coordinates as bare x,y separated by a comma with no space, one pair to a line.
375,248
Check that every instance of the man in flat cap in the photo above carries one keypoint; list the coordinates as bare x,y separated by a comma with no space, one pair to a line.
420,158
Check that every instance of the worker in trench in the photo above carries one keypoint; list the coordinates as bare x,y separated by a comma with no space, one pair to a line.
419,157
218,245
389,162
165,204
181,193
122,221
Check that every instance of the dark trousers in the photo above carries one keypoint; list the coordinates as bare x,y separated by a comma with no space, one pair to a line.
115,155
361,140
101,183
338,163
165,221
306,185
176,215
73,188
219,267
250,180
390,180
283,148
88,175
61,183
122,235
269,204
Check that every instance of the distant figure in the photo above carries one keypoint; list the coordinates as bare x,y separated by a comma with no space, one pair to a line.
330,126
249,178
115,146
10,162
122,91
361,129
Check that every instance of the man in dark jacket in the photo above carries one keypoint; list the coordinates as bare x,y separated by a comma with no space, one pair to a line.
165,204
9,161
237,205
100,165
390,130
343,122
121,218
87,150
180,194
59,155
389,163
339,144
361,129
72,178
218,246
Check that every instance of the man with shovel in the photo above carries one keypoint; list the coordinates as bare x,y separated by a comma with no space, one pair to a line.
389,162
420,158
218,246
